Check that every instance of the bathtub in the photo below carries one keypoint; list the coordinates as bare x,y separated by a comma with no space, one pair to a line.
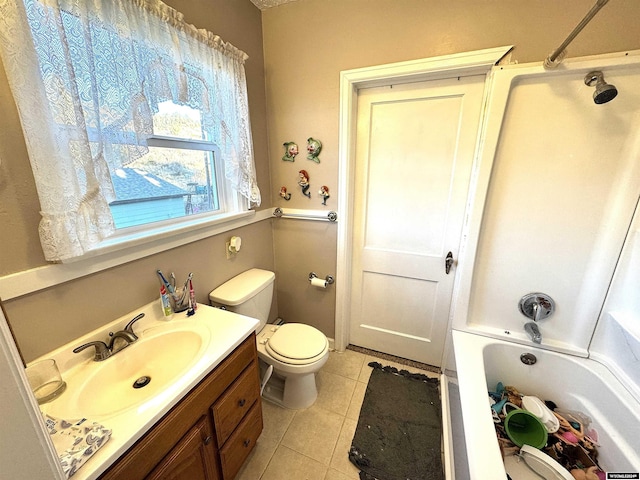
574,383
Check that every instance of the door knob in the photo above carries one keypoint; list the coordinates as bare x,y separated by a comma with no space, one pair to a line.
448,261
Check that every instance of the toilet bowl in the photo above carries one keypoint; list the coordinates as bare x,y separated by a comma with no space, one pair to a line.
295,350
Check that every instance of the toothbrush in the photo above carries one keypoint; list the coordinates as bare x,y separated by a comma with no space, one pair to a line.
192,296
168,286
186,282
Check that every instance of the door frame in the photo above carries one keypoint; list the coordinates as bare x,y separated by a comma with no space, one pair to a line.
24,423
477,62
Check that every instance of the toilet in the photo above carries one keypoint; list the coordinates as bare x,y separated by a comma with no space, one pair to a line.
296,351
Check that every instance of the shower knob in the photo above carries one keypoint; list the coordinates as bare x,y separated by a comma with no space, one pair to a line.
537,306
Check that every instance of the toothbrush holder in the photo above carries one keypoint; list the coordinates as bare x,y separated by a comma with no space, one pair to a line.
180,299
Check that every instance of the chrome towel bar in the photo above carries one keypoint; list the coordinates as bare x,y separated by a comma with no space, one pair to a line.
306,214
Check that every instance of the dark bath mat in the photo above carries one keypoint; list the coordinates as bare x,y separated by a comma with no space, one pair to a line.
399,432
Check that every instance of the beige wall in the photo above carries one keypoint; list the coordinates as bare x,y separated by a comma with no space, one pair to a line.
47,319
301,247
308,42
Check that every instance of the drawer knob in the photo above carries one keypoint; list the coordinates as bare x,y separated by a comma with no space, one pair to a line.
247,442
241,402
207,440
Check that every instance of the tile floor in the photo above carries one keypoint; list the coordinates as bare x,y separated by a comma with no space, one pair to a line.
312,444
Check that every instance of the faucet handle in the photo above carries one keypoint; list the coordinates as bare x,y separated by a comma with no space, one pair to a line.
536,306
542,308
102,351
129,326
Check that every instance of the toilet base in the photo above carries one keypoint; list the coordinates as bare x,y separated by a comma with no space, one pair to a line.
294,392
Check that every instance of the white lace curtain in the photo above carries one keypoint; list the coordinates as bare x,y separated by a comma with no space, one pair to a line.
87,77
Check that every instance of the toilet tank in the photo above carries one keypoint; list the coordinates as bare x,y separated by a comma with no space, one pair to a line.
249,294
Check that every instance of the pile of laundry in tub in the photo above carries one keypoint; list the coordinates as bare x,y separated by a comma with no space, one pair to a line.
548,437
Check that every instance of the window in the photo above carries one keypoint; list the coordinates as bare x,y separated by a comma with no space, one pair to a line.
176,178
133,119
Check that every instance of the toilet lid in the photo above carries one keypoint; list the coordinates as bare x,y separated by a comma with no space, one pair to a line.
296,342
543,464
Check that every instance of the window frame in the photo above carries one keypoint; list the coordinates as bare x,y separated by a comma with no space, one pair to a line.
36,279
233,206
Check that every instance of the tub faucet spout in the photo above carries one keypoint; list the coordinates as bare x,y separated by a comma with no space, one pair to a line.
533,331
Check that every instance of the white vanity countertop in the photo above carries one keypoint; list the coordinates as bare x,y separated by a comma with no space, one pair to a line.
226,331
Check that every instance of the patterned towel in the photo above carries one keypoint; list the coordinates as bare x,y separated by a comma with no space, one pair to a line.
75,441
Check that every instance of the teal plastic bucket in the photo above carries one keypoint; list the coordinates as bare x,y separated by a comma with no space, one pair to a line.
524,428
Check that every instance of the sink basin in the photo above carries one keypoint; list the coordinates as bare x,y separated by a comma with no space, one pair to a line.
138,373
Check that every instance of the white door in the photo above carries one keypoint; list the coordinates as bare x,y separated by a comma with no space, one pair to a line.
415,146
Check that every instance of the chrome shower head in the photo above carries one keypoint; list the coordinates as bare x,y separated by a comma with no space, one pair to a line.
604,92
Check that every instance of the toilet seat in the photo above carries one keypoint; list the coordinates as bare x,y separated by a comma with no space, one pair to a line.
296,343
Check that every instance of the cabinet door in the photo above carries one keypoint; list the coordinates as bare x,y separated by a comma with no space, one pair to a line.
193,457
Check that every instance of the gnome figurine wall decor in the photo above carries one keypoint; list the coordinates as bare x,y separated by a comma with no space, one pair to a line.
304,182
314,147
290,151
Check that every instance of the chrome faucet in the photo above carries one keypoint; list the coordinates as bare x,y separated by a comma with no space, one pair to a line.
537,307
533,331
104,351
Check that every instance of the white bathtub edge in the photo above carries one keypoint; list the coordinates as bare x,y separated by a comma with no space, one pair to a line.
484,458
447,433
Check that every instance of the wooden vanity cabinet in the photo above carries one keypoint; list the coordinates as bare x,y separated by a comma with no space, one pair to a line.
191,458
209,434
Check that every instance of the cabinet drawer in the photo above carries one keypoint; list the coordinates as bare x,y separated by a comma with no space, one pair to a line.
241,442
231,407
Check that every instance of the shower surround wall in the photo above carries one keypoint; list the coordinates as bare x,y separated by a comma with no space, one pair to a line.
563,182
616,342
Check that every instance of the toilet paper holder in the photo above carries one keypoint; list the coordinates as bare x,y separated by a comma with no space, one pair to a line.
329,279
